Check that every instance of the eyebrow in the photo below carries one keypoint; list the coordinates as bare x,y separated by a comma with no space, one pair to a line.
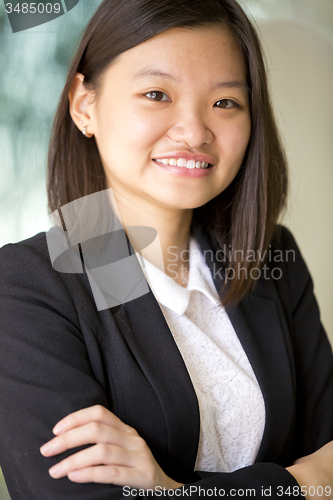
159,73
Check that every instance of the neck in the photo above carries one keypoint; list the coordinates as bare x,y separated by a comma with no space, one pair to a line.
173,232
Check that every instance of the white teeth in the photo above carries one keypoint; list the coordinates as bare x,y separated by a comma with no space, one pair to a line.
181,162
190,164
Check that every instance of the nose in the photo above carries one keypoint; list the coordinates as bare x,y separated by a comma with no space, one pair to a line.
191,129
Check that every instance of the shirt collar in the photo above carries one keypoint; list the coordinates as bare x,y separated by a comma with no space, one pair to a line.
174,296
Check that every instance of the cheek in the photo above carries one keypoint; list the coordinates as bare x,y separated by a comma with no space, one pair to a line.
131,129
244,135
235,138
142,130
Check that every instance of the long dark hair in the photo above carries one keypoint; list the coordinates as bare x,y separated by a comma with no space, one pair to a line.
244,217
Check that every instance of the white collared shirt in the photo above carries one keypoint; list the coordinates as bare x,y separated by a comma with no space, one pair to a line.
231,405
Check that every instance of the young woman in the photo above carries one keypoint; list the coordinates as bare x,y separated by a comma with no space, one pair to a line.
215,379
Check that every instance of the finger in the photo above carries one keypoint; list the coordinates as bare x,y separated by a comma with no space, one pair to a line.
97,413
95,455
105,474
113,474
91,433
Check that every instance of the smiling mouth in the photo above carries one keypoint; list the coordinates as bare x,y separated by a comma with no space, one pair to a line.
181,162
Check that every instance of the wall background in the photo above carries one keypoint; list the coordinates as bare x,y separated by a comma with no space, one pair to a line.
298,40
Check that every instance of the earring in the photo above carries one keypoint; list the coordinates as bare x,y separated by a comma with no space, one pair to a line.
84,131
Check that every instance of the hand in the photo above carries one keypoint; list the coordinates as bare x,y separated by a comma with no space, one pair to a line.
126,457
316,471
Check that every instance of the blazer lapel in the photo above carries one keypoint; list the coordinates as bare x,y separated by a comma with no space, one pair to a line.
147,334
259,330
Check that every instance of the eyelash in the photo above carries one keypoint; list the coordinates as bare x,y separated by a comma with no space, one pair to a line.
234,104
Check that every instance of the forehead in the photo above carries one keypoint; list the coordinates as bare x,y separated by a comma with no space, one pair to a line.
204,52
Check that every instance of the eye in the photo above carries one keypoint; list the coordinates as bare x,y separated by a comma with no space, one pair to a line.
156,95
227,104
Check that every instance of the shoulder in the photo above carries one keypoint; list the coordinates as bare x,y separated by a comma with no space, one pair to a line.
288,252
35,245
28,276
287,256
25,261
283,238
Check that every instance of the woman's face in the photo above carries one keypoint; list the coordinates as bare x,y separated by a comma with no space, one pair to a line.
181,94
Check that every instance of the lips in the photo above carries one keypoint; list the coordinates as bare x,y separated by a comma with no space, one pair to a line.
187,156
190,164
187,172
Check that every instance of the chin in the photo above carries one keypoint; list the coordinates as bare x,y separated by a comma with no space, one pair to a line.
189,204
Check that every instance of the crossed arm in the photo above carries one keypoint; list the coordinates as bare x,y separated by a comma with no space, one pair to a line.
121,457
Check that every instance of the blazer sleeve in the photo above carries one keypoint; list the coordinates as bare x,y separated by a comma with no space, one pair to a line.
45,374
313,358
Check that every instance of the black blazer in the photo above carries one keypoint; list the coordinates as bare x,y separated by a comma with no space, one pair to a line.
58,354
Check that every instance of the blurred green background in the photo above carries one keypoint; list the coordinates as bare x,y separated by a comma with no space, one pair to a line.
298,41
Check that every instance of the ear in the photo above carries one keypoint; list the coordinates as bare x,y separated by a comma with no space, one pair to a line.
80,105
